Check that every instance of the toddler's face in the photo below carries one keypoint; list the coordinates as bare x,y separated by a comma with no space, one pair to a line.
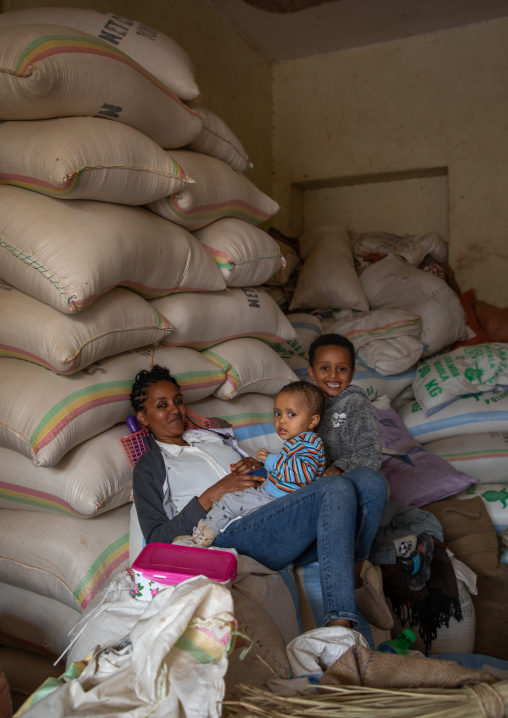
292,416
332,370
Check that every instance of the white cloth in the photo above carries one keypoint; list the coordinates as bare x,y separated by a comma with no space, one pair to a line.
189,468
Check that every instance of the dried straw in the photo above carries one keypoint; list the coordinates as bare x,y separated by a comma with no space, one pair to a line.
475,701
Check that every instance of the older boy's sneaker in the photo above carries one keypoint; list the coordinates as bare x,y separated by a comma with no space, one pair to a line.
417,562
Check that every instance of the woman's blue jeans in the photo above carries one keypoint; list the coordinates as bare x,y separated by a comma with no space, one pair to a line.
333,520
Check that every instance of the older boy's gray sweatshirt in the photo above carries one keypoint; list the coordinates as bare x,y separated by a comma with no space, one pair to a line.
350,431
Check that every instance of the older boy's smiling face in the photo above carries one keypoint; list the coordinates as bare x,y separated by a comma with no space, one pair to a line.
332,370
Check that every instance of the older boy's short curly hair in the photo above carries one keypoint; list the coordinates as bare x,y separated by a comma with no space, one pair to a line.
326,340
313,396
144,380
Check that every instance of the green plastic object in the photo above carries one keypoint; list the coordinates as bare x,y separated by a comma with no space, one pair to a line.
400,645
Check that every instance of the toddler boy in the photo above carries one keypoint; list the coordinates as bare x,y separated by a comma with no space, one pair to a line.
298,408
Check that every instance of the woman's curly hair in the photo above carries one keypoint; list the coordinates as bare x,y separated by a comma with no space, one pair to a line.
144,380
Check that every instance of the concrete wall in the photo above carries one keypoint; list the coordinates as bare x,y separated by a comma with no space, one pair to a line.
427,105
234,80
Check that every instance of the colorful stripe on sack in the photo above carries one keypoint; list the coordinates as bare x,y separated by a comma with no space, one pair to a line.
497,419
113,559
236,208
207,641
478,454
40,186
232,377
49,45
386,329
221,258
41,499
88,398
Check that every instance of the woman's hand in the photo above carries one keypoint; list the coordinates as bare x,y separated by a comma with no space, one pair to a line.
244,465
235,481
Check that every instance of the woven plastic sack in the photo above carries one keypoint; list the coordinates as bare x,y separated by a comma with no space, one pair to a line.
328,278
246,255
35,623
152,49
307,327
173,662
92,478
394,284
67,559
467,370
116,322
44,415
413,248
218,192
68,252
249,366
495,498
203,319
52,71
483,456
87,158
468,415
217,140
291,261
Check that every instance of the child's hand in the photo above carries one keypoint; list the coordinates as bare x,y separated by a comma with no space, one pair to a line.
331,470
261,455
245,465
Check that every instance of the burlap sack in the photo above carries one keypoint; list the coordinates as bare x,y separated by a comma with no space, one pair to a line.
152,49
51,71
218,192
217,140
468,532
68,252
87,158
202,319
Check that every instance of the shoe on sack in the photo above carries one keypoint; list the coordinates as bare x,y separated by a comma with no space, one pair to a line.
417,563
370,598
203,535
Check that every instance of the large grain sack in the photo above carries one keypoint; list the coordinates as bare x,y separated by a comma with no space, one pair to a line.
483,456
67,253
246,255
413,248
328,278
51,71
468,415
386,340
467,370
250,366
94,477
116,322
35,623
291,261
202,319
394,284
44,415
217,140
153,50
218,191
65,559
495,498
307,327
250,415
87,158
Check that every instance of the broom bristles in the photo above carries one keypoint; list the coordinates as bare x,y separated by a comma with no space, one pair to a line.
477,701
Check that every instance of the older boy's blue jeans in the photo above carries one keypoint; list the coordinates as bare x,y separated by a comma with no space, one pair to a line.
333,520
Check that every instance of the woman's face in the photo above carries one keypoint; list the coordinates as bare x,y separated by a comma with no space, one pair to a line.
164,412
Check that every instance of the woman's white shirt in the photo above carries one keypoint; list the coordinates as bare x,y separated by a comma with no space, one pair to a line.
190,470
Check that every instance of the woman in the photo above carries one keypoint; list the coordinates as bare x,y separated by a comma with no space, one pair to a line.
182,473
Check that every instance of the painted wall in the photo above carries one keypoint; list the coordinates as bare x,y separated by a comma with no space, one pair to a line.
228,70
427,102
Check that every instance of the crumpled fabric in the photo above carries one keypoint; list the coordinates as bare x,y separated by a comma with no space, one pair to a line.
172,663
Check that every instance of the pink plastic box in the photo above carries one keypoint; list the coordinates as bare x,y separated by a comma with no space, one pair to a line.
170,564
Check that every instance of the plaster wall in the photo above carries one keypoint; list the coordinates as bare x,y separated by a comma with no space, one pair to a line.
429,104
234,80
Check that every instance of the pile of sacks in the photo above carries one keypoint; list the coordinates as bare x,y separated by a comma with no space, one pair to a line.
128,237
